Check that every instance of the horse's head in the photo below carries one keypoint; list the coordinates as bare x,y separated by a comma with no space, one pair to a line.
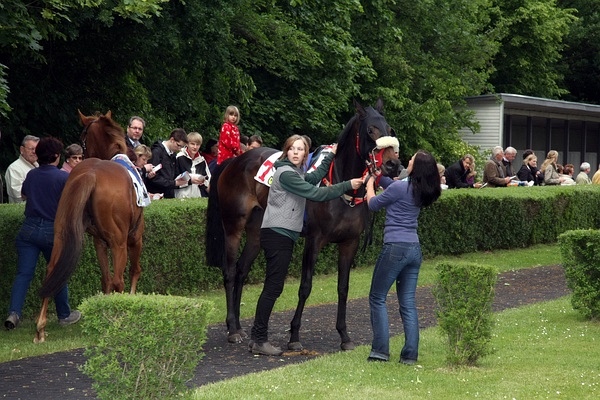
362,132
102,137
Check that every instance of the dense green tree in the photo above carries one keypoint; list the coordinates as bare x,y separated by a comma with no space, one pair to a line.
581,63
428,56
533,32
291,66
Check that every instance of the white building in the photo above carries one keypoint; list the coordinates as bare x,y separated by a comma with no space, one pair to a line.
523,122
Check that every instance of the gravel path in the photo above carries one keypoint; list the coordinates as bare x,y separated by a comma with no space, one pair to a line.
56,376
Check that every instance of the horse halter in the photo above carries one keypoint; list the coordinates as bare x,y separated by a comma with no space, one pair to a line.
83,136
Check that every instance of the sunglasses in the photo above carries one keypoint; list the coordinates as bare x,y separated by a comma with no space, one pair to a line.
76,157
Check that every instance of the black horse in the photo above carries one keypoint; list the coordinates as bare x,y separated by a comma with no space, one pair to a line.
237,201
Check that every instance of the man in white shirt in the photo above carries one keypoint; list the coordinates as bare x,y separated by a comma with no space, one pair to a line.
17,171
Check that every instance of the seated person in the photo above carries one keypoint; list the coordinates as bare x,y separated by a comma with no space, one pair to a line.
567,173
529,171
458,173
441,170
494,172
551,175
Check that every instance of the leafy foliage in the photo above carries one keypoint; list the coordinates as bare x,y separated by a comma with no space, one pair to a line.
532,41
143,346
464,294
580,250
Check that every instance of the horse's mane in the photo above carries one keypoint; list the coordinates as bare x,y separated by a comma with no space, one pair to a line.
114,137
115,133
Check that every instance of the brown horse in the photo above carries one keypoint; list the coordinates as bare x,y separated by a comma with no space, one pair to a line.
237,202
98,198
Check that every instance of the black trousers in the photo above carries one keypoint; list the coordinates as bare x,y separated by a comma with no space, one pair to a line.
278,252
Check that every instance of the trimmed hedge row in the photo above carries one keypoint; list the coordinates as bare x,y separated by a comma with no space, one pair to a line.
461,221
580,251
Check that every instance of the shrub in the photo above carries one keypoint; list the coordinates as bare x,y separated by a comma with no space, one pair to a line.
143,346
464,294
463,220
580,251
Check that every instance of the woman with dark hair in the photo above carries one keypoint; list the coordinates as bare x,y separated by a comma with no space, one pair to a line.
41,190
400,258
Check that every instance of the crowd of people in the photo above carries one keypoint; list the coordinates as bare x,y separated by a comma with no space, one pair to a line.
499,171
180,167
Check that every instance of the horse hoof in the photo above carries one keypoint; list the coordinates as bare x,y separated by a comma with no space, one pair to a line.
234,338
39,338
295,346
347,346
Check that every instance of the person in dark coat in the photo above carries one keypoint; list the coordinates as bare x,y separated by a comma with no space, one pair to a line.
456,174
164,155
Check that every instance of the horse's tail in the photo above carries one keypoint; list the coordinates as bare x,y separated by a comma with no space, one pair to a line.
69,230
215,234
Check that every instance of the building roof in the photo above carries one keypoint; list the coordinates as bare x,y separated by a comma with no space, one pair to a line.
522,103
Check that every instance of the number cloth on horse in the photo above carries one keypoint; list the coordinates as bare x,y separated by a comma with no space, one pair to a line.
143,199
266,171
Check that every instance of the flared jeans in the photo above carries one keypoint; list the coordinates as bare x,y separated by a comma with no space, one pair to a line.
400,263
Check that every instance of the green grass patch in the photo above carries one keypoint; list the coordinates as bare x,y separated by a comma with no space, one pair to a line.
19,342
542,351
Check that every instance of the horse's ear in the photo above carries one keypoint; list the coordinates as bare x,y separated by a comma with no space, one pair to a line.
108,114
84,120
379,105
359,108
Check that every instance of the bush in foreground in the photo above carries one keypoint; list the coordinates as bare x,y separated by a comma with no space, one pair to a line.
580,251
143,346
464,294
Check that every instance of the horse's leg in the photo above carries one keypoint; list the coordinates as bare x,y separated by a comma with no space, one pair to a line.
40,334
119,256
135,254
312,247
346,250
102,254
135,268
232,245
249,254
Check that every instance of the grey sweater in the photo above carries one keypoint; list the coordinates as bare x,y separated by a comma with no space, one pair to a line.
289,191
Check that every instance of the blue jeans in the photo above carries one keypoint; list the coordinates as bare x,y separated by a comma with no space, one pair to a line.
400,263
36,236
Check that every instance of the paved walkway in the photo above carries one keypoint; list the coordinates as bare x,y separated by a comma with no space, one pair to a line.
56,376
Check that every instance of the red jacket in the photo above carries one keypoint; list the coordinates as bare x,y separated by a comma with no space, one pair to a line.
229,142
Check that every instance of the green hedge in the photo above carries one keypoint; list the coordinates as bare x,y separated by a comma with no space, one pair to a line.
143,346
462,221
464,293
580,251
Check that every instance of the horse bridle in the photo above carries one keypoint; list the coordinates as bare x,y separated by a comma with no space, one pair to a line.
83,136
371,167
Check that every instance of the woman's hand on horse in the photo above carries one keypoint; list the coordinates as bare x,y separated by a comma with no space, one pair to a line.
334,148
356,183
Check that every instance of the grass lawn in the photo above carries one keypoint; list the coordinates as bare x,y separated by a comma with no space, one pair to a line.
19,342
542,351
